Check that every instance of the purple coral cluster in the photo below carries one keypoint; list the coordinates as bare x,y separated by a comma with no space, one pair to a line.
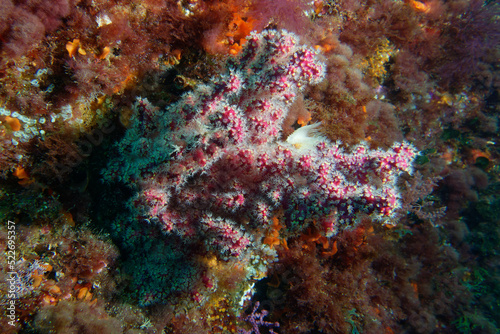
228,168
256,319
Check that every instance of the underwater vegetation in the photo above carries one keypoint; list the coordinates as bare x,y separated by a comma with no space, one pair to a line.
249,166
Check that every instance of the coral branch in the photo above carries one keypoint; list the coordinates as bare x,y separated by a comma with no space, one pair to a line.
257,320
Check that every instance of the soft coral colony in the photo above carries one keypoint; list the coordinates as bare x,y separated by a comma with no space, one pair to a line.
244,171
228,168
